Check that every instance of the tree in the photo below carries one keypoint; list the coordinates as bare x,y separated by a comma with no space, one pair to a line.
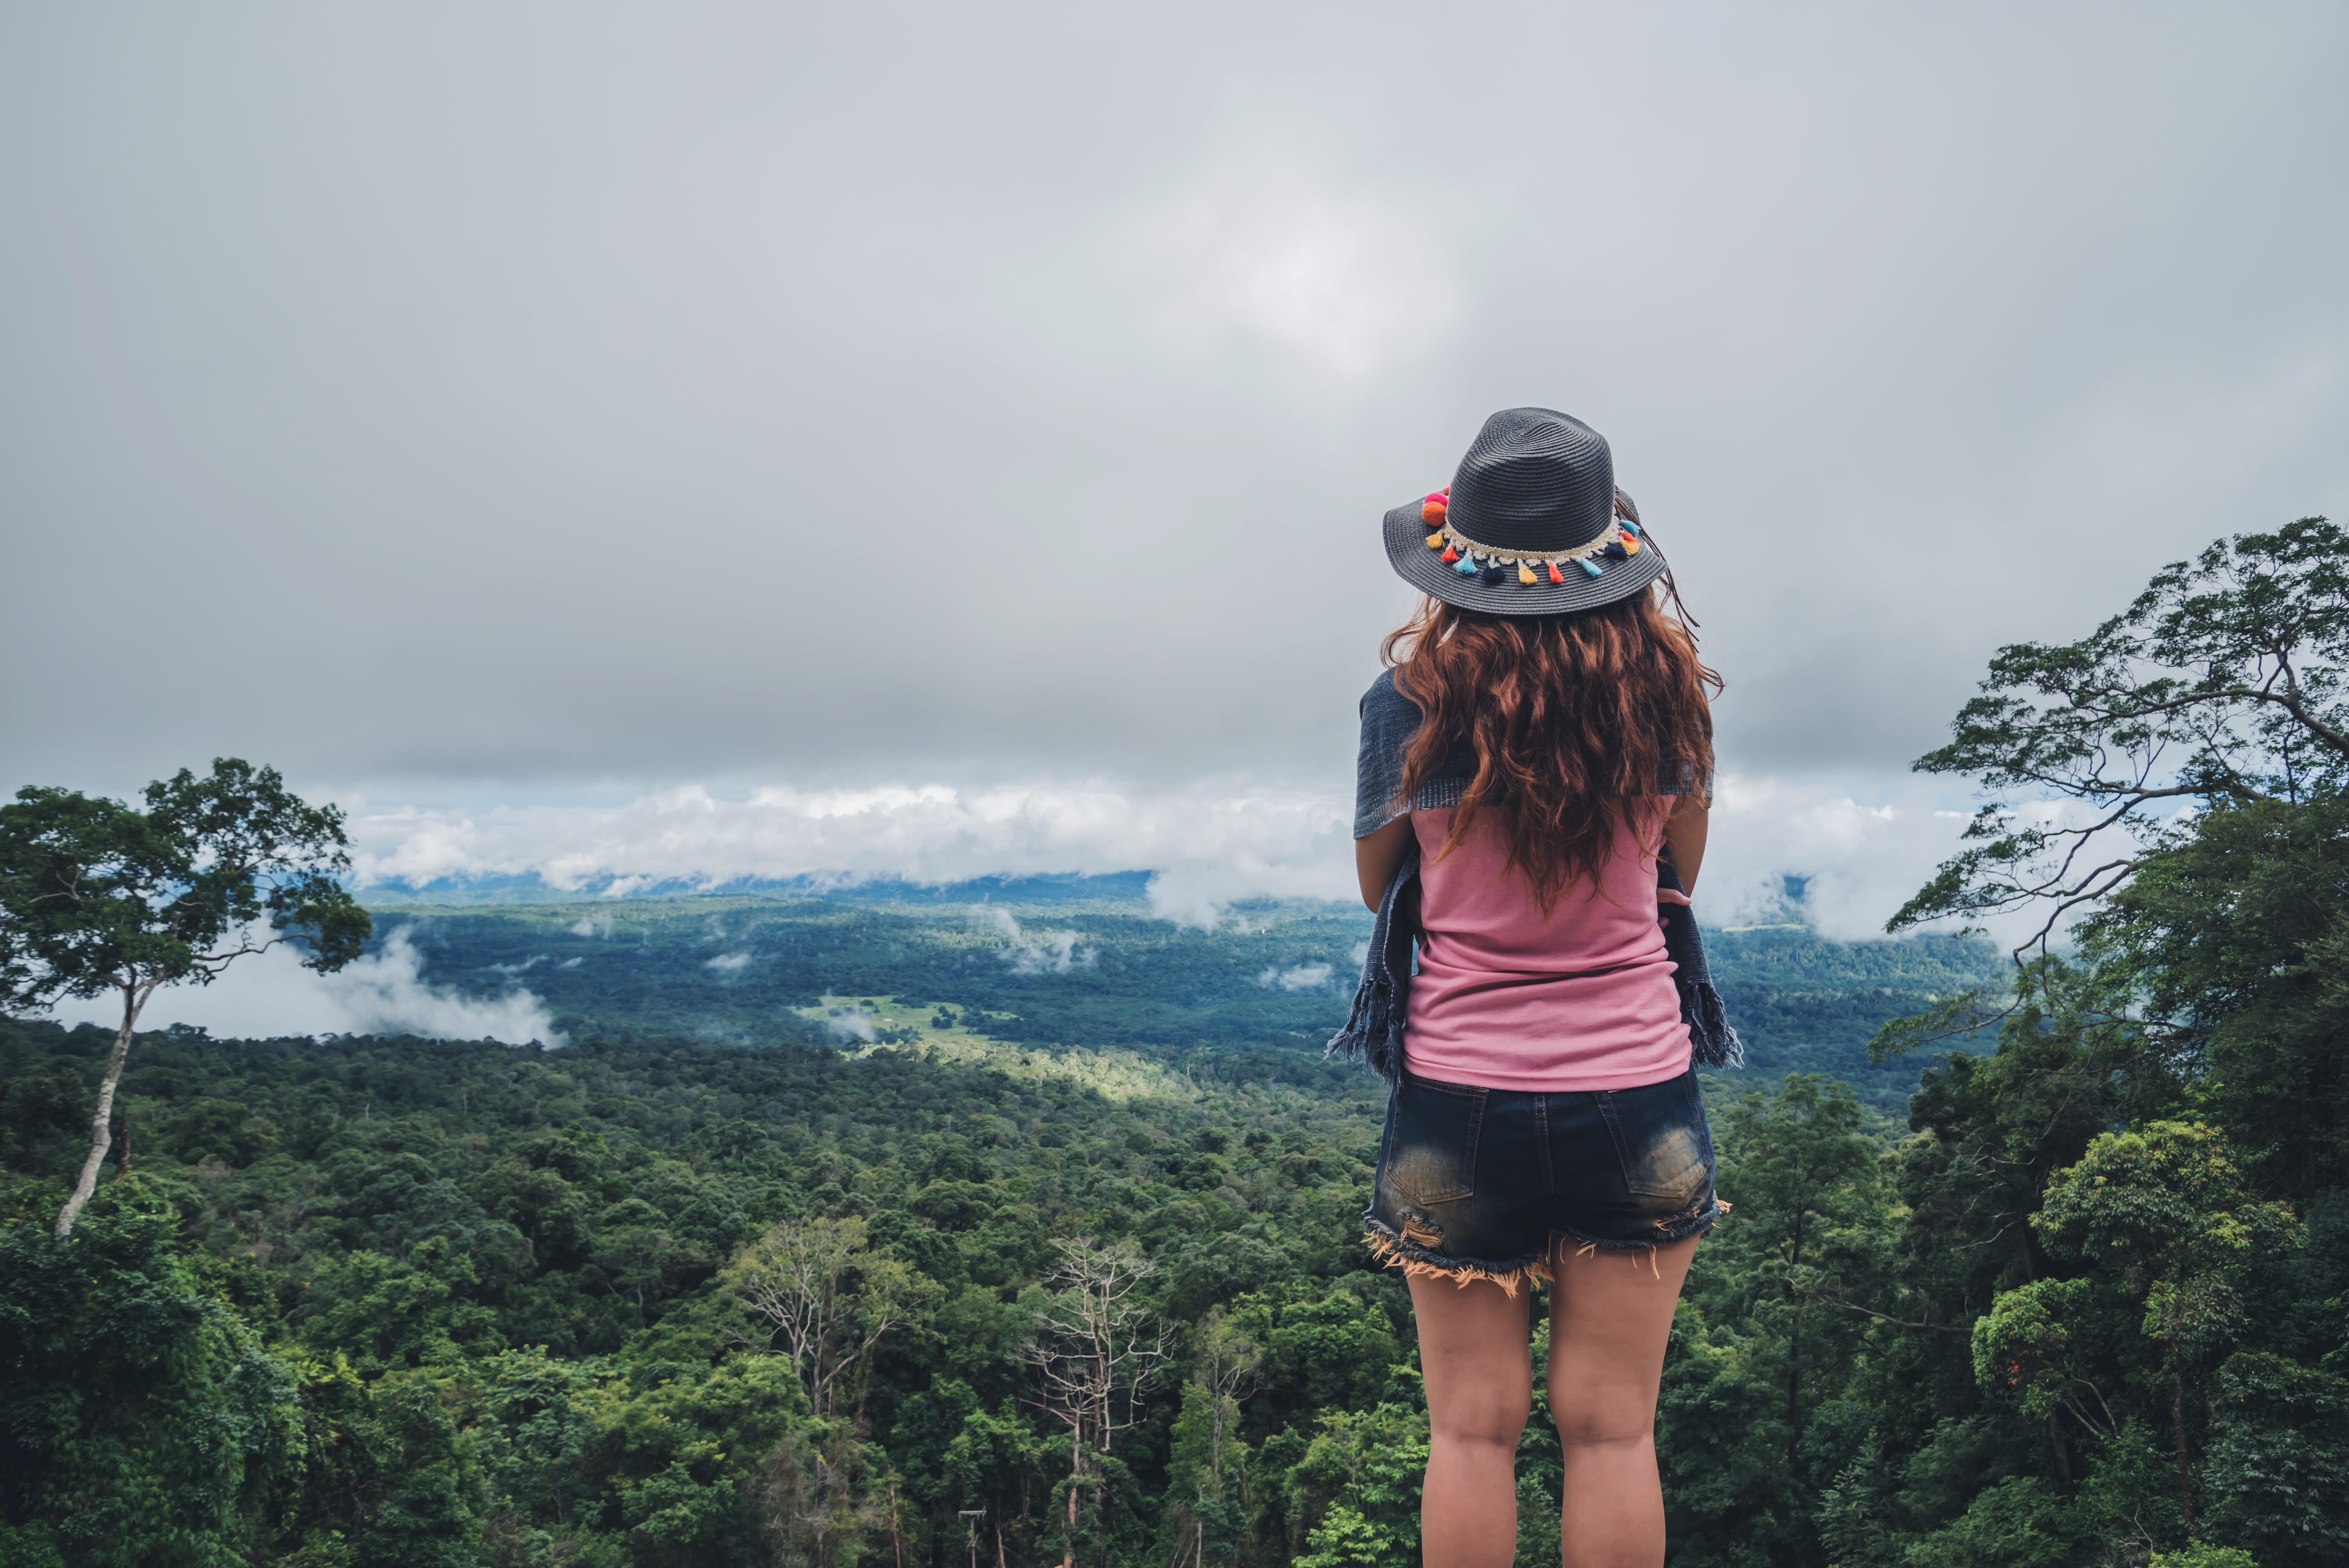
1228,1367
1809,1183
141,1423
2231,948
819,1287
2220,684
1096,1345
2167,1207
96,895
2032,1346
2279,1461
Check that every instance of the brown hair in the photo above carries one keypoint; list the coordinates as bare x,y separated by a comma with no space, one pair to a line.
1574,720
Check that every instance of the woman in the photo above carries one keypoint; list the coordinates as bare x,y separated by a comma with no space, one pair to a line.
1531,814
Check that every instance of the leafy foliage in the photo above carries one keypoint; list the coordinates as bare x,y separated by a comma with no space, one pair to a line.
2221,683
96,896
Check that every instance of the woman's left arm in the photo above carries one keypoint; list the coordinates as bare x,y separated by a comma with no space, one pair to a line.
1377,856
1685,838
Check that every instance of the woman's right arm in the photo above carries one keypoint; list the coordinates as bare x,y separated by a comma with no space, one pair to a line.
1377,856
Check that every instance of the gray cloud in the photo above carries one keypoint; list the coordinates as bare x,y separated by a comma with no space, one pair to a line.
528,403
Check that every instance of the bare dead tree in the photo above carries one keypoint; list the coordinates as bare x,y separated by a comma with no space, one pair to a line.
1096,1350
819,1288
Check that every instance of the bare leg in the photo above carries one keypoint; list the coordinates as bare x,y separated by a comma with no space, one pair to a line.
1611,1319
1480,1388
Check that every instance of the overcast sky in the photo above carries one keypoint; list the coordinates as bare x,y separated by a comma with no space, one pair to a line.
498,416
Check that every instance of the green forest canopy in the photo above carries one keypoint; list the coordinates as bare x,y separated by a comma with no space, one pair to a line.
717,1283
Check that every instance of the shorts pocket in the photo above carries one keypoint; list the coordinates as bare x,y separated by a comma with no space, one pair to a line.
1661,1139
1431,1154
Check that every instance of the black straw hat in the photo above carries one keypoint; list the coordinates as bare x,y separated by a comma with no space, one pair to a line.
1532,523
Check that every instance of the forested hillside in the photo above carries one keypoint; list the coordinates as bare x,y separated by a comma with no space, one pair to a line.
553,1259
1089,967
857,1230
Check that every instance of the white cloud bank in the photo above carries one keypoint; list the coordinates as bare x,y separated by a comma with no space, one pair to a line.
382,993
1209,845
1858,847
1857,854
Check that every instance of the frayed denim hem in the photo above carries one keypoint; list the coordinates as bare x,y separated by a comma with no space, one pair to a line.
1422,1262
1679,1228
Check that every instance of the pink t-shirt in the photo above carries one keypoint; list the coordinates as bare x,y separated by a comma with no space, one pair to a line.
1509,998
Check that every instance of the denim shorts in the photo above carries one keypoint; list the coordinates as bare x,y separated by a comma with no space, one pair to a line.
1480,1183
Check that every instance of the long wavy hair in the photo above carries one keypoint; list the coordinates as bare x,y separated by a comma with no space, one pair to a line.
1577,723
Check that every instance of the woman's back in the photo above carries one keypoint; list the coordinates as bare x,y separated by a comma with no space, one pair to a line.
1511,996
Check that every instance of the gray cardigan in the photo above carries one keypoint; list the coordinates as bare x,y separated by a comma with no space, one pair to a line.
1373,1031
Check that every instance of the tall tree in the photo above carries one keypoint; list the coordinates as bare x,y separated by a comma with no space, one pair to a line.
1811,1187
2221,684
98,896
819,1288
2167,1207
1097,1349
1227,1367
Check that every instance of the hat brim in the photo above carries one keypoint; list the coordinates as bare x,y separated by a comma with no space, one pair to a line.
1415,563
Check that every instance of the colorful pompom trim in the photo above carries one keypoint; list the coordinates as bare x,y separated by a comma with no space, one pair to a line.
1462,553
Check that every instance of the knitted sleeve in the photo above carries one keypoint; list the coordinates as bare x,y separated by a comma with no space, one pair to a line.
1389,721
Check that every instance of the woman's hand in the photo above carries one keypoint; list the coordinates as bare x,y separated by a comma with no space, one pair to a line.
1685,838
1376,858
